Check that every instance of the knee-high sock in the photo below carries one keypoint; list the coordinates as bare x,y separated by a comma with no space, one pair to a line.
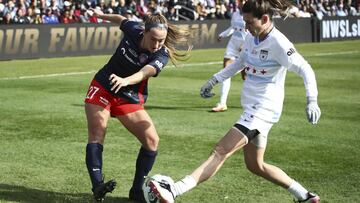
94,163
144,164
224,90
298,190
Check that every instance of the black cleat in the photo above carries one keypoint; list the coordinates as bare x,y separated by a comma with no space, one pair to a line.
136,196
101,190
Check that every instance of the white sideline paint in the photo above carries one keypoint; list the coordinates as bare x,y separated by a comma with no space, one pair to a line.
170,66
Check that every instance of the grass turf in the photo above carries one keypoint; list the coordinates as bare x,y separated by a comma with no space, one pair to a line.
43,130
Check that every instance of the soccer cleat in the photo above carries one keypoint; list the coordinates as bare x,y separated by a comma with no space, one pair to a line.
219,108
162,190
312,198
101,190
137,196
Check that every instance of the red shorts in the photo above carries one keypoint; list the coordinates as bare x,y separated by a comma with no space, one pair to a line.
115,105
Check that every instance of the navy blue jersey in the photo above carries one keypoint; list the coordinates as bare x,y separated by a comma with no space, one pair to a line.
128,59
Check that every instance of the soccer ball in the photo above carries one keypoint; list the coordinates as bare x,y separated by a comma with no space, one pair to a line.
158,181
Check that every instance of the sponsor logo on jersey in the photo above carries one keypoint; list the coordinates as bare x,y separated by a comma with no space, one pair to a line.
290,52
159,64
263,55
133,52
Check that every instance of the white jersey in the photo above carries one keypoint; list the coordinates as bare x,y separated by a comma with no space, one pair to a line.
237,27
266,64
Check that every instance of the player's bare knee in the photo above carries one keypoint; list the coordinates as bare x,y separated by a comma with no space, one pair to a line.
255,168
152,143
97,133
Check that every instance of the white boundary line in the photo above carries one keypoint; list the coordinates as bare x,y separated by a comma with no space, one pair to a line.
171,66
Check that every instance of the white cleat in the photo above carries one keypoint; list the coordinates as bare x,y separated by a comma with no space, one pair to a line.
158,189
162,191
312,198
219,108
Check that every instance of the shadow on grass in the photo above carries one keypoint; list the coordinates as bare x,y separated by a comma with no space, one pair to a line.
15,193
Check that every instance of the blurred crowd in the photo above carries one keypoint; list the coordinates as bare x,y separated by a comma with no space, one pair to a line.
75,11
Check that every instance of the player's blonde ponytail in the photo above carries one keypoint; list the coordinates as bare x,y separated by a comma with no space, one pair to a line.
175,37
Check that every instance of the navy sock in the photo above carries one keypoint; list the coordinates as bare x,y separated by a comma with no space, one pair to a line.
94,163
144,164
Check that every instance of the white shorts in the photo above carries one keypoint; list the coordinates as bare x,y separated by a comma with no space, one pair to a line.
233,48
252,122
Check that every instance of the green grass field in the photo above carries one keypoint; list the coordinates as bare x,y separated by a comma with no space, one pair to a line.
43,131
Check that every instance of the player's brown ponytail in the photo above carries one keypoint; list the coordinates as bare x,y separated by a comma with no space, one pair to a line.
270,7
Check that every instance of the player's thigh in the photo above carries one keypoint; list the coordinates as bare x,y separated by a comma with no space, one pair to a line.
141,125
231,142
253,155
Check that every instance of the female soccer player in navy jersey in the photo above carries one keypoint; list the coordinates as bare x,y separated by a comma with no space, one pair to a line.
119,90
266,57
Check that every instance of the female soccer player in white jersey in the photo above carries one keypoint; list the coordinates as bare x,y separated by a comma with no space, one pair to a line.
237,32
119,89
267,55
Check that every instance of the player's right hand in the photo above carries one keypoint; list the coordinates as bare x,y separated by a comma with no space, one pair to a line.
205,91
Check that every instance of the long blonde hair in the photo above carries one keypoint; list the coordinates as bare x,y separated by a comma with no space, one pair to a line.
175,37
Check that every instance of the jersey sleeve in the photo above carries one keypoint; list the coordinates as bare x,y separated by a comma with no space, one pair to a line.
293,61
227,32
159,61
230,70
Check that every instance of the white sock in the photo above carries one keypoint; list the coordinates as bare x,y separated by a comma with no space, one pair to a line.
184,185
224,90
298,190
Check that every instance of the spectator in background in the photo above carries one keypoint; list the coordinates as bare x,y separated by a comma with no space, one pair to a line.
220,9
141,8
84,16
230,7
2,14
341,11
7,19
351,10
77,10
358,9
10,8
201,10
210,9
102,6
320,9
170,13
66,17
20,17
36,17
119,7
49,17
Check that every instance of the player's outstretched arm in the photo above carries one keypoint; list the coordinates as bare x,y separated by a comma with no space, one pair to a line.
114,18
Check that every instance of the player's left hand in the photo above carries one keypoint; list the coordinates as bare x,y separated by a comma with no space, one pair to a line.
312,110
205,91
117,82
